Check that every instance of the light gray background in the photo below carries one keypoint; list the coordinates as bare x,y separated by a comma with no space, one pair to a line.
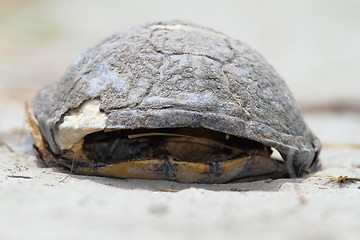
312,43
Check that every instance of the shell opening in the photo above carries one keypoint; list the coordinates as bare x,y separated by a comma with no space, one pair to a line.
182,144
178,154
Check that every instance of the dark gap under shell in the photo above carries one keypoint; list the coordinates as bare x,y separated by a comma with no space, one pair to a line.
182,144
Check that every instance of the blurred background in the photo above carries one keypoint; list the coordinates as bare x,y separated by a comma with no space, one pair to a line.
313,44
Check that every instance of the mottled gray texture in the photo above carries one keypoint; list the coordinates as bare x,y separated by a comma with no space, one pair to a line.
176,74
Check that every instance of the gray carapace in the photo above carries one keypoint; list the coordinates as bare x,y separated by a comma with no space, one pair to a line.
174,101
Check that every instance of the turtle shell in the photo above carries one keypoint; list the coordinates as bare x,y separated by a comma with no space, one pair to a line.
174,75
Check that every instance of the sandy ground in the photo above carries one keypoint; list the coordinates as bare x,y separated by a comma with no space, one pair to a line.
314,46
44,203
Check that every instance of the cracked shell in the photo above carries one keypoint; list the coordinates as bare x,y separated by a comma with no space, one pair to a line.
174,101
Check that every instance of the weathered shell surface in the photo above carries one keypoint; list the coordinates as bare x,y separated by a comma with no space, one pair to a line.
176,74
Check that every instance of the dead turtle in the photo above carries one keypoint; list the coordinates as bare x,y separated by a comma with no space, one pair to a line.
173,101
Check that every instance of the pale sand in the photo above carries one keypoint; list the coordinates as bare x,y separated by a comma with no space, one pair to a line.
44,203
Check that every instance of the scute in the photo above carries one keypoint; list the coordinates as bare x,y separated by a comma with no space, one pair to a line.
177,74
